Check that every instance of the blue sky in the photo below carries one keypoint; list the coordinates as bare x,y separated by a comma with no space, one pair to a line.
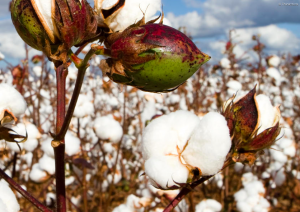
208,22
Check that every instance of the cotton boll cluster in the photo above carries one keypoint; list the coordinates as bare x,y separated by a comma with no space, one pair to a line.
251,197
173,142
208,205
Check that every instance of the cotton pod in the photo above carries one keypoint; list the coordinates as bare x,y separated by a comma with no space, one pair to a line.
107,128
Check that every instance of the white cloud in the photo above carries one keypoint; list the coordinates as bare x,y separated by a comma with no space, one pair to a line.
11,45
220,15
276,39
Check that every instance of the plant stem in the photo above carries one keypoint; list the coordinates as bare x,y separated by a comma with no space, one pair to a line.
59,145
24,193
82,66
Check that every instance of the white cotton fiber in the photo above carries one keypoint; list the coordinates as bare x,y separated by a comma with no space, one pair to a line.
107,128
8,198
11,100
165,133
47,164
46,147
208,205
267,112
132,12
37,174
165,171
274,61
72,144
84,106
209,144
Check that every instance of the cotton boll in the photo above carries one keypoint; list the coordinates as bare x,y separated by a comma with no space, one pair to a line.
72,144
11,100
241,195
84,106
149,111
225,63
107,128
132,12
37,174
234,85
108,148
3,206
209,144
8,198
267,112
278,156
274,61
275,74
164,134
208,205
164,171
279,177
37,70
47,148
47,164
243,207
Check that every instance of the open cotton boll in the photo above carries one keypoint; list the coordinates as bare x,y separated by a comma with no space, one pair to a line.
225,63
84,106
11,100
165,171
275,74
37,174
46,147
208,205
274,61
72,144
267,112
107,128
131,12
209,144
8,198
164,134
3,206
47,164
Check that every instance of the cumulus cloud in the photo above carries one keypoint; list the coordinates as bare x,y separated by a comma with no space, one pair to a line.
276,39
218,15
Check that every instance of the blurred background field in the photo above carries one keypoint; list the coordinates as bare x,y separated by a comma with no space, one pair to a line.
104,163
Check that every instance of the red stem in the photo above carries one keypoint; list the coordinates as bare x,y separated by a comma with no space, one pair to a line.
59,150
24,193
